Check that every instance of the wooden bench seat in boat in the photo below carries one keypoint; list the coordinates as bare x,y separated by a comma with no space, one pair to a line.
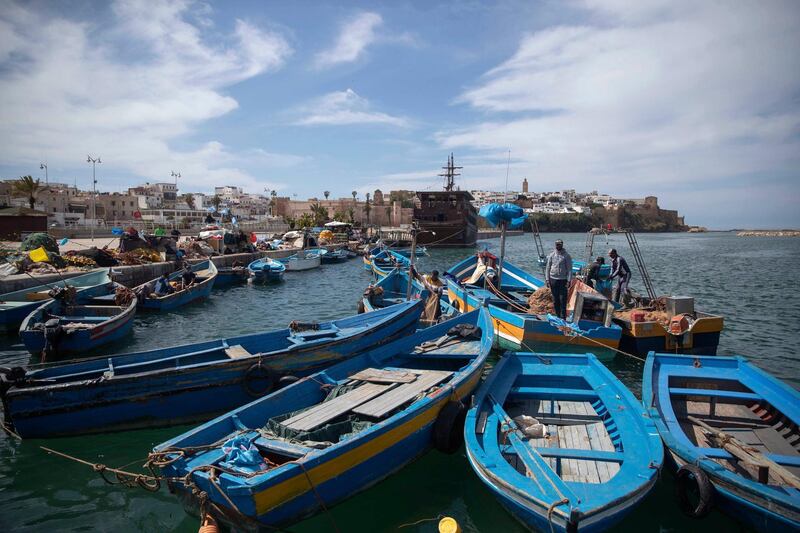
714,393
237,351
38,296
396,397
381,375
326,411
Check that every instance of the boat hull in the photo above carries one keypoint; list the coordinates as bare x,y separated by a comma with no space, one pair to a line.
227,277
172,395
299,264
180,298
644,337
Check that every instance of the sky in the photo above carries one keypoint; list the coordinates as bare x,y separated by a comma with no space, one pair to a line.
697,103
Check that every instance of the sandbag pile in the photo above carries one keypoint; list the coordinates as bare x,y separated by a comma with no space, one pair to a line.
541,302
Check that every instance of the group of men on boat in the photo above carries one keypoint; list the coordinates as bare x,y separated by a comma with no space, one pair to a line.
559,275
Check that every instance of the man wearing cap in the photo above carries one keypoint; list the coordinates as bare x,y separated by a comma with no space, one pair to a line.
593,275
619,270
558,274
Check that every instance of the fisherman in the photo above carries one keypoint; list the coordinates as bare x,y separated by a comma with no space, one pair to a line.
163,286
435,288
558,275
188,276
619,270
433,279
593,275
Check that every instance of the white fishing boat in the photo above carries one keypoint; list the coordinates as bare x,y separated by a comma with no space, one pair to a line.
302,260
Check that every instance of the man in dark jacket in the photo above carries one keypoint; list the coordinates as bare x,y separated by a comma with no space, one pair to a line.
619,270
593,275
558,274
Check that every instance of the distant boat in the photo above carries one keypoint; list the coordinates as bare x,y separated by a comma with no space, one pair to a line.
15,306
336,432
515,327
266,269
336,256
561,442
302,260
186,383
732,431
387,260
206,273
59,328
227,276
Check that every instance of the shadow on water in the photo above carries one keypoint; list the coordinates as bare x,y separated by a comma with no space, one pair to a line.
742,278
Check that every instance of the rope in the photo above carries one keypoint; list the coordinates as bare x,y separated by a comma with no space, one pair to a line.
10,431
438,517
318,497
553,508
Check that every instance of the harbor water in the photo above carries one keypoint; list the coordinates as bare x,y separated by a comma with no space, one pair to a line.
744,279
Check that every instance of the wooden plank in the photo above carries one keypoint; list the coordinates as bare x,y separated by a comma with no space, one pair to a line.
387,402
237,351
326,411
379,375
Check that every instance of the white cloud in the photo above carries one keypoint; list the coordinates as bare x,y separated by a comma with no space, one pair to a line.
127,89
355,35
669,92
344,108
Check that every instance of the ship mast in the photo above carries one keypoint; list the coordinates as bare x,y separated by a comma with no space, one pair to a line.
450,174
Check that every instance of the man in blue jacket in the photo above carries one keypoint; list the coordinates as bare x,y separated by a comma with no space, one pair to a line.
558,274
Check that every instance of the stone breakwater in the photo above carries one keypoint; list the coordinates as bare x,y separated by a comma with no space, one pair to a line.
780,233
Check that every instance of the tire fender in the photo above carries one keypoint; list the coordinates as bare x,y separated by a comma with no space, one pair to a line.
285,381
691,478
259,372
448,430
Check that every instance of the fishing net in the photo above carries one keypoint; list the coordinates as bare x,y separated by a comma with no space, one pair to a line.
541,301
36,240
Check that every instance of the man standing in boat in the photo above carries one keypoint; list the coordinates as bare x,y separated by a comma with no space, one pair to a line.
619,270
558,274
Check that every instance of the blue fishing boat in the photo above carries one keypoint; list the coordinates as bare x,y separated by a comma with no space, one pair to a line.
59,327
266,269
393,289
206,273
732,432
232,275
15,306
386,261
336,256
187,383
561,442
302,260
337,432
590,327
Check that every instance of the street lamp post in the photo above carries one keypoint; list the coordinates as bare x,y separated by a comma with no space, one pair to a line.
43,166
175,175
94,162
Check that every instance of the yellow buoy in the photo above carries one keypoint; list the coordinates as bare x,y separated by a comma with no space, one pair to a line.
449,525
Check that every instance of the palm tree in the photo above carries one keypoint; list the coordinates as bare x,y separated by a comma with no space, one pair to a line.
216,201
367,208
319,213
27,186
340,215
305,221
354,193
351,213
327,193
189,199
273,201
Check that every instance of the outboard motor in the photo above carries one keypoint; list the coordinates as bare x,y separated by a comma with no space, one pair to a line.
52,335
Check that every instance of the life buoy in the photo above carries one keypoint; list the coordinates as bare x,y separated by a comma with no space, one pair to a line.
448,430
694,491
258,373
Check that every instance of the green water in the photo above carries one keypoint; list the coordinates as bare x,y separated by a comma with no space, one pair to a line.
745,279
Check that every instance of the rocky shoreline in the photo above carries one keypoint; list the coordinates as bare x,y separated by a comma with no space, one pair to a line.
769,233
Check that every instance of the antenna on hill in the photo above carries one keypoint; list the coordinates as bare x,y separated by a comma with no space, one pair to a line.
450,173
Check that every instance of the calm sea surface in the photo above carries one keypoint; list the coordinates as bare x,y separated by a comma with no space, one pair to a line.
745,279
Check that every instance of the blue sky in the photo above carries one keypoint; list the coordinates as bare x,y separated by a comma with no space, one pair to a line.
695,102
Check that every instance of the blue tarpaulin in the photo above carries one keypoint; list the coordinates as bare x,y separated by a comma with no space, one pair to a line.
242,454
497,213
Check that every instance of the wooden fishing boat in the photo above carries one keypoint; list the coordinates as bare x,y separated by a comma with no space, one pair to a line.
186,383
561,442
302,260
59,328
699,335
15,306
732,431
206,273
266,269
336,256
393,289
337,432
515,327
227,276
388,260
